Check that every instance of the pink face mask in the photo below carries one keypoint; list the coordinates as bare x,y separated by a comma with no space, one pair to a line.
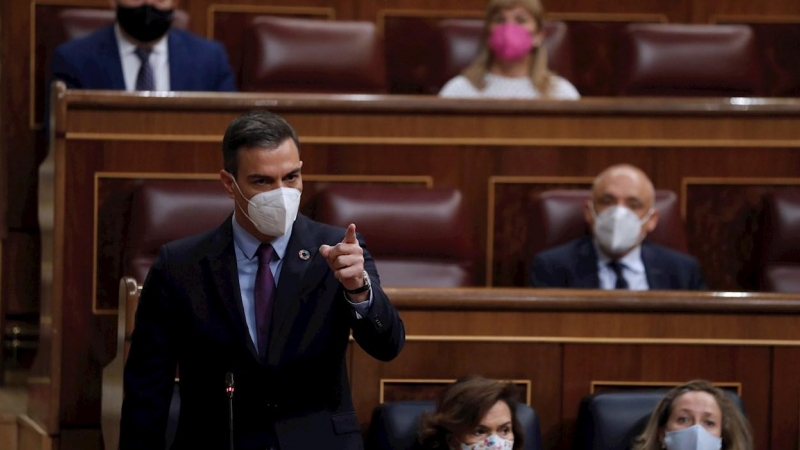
510,42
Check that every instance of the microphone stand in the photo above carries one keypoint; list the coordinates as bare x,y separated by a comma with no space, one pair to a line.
229,388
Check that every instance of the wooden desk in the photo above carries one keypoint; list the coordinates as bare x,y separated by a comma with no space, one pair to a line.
568,344
718,155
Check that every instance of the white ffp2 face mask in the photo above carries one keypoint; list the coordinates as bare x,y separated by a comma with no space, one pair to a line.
618,228
695,437
273,212
493,442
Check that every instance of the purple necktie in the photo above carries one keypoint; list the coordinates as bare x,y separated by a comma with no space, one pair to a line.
145,80
264,297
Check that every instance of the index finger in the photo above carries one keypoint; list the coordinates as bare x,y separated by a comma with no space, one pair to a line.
350,235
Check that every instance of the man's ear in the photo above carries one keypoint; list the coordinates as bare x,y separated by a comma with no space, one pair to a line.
651,223
227,183
587,212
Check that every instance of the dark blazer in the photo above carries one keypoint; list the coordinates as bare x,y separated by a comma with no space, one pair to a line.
92,62
574,265
190,314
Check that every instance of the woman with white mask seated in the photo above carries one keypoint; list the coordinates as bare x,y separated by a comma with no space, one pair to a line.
696,416
474,413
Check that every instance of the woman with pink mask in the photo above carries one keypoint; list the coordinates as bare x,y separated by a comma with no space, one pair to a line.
512,62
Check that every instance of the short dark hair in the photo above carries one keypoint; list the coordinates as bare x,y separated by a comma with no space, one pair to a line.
254,129
461,408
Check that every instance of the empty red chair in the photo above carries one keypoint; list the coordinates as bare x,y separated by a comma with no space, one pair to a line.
307,55
418,237
688,60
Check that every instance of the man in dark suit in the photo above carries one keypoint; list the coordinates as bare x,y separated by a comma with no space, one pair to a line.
141,51
269,299
620,214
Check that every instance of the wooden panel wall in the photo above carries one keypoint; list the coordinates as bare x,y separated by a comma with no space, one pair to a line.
24,146
683,144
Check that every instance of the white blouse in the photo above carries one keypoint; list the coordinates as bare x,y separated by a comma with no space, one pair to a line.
498,86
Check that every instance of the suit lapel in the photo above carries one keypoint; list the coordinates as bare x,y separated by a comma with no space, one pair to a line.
287,298
657,277
109,50
220,266
586,269
179,64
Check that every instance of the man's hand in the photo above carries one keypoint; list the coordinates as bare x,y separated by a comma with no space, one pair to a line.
346,260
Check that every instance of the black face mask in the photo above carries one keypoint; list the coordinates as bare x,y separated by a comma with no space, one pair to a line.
144,23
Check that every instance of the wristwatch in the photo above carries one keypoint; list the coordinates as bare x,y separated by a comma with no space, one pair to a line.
363,288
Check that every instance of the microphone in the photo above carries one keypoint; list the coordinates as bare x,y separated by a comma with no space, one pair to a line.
229,384
229,388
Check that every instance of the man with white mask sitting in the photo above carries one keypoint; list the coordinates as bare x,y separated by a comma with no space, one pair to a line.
620,214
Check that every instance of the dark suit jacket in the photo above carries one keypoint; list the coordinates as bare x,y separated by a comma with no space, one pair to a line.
92,62
574,265
190,314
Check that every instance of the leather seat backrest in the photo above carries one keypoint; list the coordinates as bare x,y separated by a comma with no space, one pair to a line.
395,425
418,237
166,210
79,22
558,217
611,421
461,41
779,233
307,55
688,60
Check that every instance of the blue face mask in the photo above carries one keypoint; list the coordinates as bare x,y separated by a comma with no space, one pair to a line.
693,438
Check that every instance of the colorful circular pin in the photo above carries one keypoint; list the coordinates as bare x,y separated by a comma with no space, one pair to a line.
304,255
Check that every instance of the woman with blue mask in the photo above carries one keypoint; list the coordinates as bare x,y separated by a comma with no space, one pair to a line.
474,413
696,416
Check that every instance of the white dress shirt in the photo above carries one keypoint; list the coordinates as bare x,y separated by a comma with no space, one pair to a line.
159,62
632,269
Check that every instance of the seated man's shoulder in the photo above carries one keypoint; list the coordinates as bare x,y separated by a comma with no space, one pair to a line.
192,40
87,44
564,252
670,254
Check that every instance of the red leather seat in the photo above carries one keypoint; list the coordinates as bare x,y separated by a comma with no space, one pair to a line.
780,241
78,22
418,237
166,210
558,217
307,55
461,40
688,60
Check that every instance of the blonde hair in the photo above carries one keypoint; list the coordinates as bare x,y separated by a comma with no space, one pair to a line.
736,433
539,73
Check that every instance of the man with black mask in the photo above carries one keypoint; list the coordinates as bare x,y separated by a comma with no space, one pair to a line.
141,51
